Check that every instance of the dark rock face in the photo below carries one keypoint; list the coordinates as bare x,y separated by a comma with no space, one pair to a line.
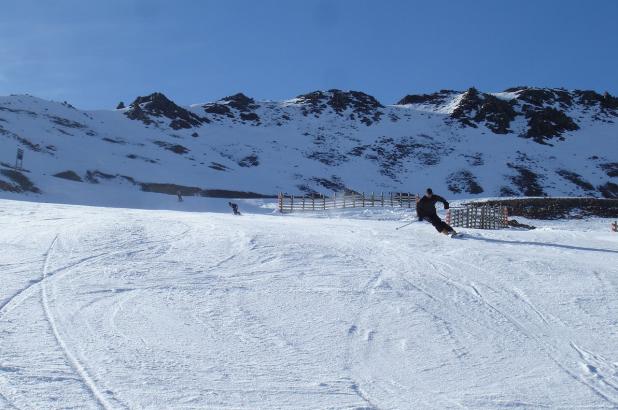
249,161
546,123
19,182
362,106
576,179
219,109
218,167
120,106
541,97
526,181
609,190
463,181
158,105
610,168
249,116
70,175
334,184
436,98
392,154
607,102
237,102
175,148
476,107
240,102
545,109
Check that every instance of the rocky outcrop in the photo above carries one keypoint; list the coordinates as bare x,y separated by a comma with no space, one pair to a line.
475,107
70,175
356,104
158,105
463,181
438,98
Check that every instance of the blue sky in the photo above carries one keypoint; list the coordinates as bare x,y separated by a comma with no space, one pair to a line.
96,53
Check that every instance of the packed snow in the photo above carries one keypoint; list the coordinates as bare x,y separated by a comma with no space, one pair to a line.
123,308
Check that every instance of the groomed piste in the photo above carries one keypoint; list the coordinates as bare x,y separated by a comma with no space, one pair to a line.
125,308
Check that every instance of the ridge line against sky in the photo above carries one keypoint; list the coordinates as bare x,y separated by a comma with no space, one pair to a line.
96,54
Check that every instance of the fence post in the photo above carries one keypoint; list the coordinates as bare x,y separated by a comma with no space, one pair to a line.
391,199
334,200
303,202
382,199
448,216
373,200
363,199
292,204
324,201
312,201
344,200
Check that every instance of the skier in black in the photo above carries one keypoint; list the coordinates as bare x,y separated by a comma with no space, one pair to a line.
426,209
234,208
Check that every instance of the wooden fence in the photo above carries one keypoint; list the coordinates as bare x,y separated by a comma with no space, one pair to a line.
292,203
478,217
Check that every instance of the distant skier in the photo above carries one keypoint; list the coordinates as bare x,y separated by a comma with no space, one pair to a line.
234,208
179,196
426,210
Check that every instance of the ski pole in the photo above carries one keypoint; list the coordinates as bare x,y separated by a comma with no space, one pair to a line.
403,226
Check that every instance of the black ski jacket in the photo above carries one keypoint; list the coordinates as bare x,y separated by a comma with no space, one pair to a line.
426,206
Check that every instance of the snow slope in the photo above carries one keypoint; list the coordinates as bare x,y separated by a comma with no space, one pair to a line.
524,141
121,308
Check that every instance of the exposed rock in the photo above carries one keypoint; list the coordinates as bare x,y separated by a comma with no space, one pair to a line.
94,175
576,179
113,141
249,116
436,98
334,184
219,109
240,102
249,161
121,106
331,157
541,97
363,106
70,175
545,123
610,168
609,190
21,183
526,181
175,148
218,167
65,122
475,107
158,105
463,181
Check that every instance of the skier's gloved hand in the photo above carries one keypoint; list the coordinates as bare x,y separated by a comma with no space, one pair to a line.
446,205
420,219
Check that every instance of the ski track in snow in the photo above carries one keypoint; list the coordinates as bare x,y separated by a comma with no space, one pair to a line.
160,309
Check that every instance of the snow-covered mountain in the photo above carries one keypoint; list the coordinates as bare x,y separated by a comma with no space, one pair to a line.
523,141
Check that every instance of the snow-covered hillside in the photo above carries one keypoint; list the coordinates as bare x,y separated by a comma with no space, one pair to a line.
119,308
524,141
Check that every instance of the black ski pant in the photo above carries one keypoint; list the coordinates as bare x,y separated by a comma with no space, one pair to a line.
438,223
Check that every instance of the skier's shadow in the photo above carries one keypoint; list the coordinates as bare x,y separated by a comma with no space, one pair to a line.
543,244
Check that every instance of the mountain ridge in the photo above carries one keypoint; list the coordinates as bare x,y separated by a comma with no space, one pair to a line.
522,141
